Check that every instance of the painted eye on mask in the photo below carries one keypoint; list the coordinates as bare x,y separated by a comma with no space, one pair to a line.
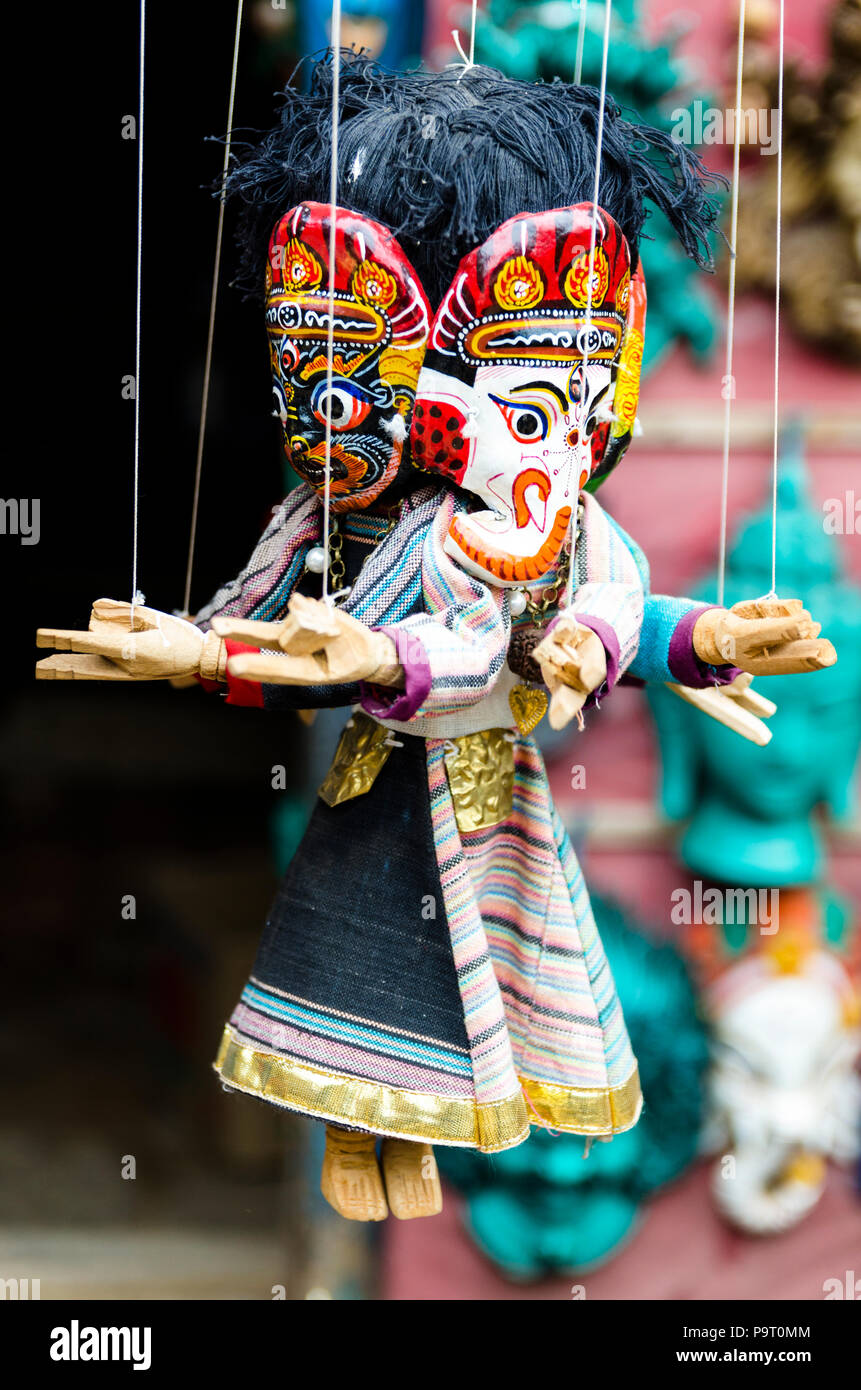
282,401
289,357
528,424
279,404
349,405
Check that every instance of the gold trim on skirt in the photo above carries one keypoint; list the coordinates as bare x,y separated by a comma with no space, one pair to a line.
415,1115
587,1110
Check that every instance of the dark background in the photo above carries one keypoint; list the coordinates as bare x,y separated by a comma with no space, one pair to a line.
109,1023
81,214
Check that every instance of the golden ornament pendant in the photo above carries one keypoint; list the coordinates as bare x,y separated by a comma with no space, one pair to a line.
528,705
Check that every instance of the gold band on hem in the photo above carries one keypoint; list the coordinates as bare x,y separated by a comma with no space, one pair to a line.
424,1117
587,1110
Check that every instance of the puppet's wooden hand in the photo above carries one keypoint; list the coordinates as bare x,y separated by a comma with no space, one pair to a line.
573,663
319,645
767,637
159,646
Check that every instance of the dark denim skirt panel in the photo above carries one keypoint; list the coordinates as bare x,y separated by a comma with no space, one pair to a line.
354,975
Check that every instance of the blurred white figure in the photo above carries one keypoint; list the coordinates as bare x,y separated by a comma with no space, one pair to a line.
785,1095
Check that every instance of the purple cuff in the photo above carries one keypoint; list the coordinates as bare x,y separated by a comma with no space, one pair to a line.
609,641
683,661
382,701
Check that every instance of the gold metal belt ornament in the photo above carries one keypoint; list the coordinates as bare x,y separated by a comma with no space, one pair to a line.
480,770
363,750
481,778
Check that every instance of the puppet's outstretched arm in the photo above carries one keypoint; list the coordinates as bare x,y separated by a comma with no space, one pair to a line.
767,637
321,645
703,645
762,637
116,647
707,654
434,662
317,644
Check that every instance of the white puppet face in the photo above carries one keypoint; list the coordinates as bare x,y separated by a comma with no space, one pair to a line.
527,371
524,436
533,452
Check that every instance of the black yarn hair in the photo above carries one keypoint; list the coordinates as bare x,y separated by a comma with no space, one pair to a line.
443,158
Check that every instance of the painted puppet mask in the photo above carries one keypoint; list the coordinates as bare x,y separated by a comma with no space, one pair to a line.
381,323
507,407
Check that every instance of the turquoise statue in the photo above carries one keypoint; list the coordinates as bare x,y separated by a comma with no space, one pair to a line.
749,811
779,964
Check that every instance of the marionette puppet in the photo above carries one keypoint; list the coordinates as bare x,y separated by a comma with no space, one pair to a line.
430,972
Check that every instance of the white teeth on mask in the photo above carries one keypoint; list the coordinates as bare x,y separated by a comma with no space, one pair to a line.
470,429
396,428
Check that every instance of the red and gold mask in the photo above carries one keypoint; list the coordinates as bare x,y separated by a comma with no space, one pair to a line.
380,330
528,393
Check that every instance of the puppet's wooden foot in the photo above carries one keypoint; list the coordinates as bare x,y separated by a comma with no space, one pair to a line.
412,1179
351,1180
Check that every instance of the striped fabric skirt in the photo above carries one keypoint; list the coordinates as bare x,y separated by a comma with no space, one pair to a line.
439,985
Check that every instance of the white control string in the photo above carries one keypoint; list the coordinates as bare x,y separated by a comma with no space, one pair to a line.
729,381
213,296
729,378
455,33
335,42
581,36
602,101
777,259
137,447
